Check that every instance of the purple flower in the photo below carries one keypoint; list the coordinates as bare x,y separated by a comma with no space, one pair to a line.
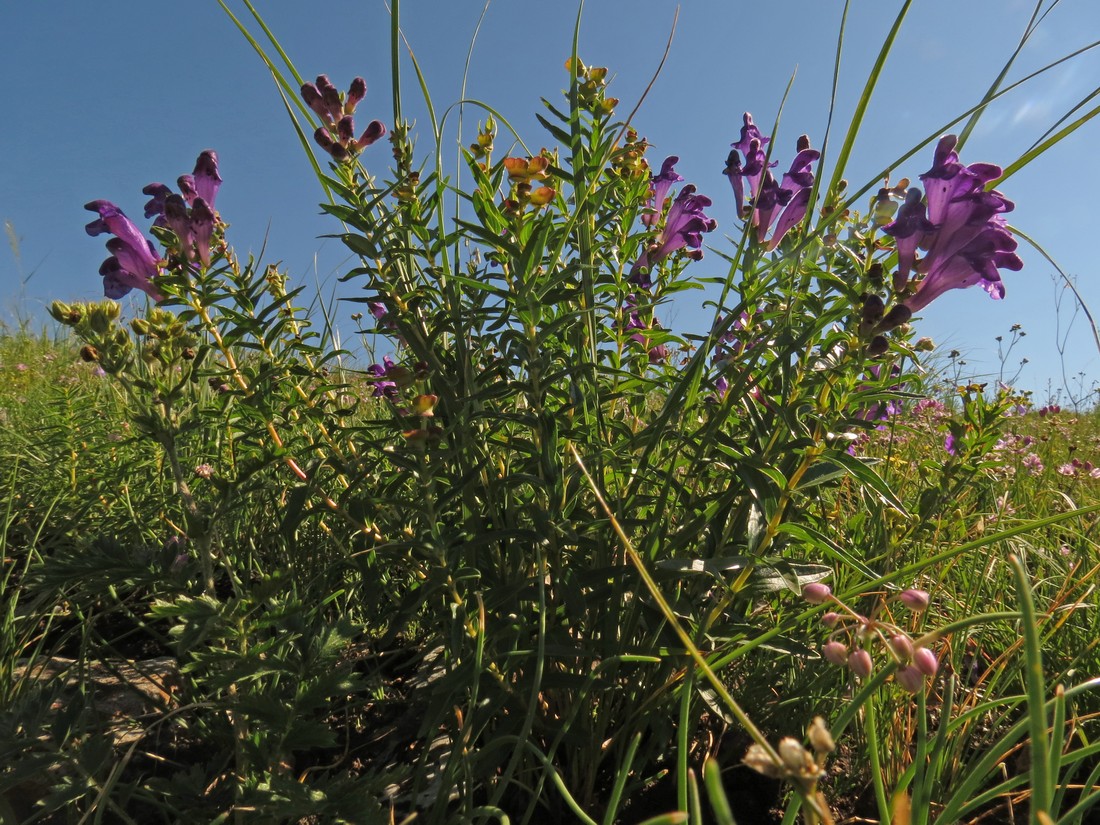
909,230
206,177
735,171
659,185
684,227
202,228
749,132
383,386
337,132
782,203
133,263
155,207
178,219
189,214
950,445
960,224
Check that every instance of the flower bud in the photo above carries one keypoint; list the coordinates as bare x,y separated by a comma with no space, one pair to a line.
860,663
757,758
926,661
356,92
835,652
830,619
915,600
897,316
821,739
902,645
879,345
792,753
911,679
816,592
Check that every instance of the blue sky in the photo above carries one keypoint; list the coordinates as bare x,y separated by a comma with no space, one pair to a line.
107,97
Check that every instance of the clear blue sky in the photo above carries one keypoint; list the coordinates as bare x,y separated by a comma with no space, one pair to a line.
107,97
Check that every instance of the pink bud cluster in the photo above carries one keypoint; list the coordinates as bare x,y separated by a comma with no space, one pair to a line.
854,637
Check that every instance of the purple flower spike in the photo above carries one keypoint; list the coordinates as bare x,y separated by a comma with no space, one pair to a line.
337,132
206,177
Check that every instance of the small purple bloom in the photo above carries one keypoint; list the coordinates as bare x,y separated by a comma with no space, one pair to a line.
909,230
749,132
382,386
202,228
178,220
375,130
684,227
155,207
926,661
659,185
206,177
133,263
356,92
860,663
735,172
950,445
658,354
